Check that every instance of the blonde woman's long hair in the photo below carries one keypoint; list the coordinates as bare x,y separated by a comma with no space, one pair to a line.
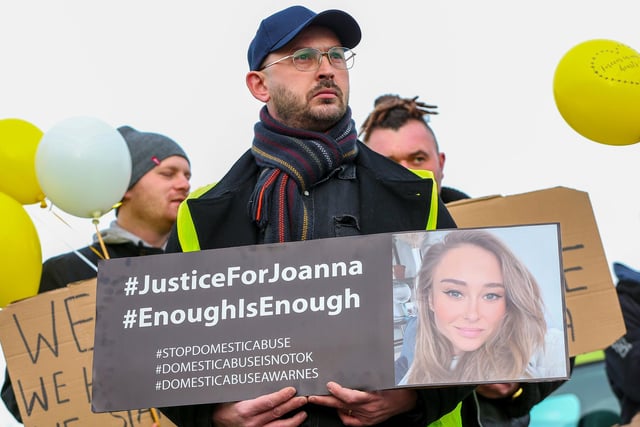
506,354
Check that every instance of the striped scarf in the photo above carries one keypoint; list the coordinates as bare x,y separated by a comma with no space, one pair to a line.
293,161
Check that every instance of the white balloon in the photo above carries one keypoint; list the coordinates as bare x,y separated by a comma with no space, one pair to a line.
83,166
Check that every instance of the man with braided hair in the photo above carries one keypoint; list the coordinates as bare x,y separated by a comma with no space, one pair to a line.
398,128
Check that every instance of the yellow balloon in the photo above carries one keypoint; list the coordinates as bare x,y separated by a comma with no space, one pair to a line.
20,253
18,144
596,87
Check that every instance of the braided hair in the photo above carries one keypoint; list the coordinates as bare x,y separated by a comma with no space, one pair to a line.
393,112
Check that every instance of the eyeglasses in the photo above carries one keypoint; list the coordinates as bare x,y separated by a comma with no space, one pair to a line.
308,59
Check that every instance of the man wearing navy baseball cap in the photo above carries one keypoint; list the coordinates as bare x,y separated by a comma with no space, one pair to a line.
306,176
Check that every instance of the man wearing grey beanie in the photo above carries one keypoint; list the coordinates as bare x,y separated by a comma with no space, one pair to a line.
160,173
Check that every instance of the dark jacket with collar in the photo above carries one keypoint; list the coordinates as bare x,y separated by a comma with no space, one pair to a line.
391,199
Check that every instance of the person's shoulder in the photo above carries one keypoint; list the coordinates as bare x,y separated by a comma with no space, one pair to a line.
60,270
92,253
450,194
243,170
70,257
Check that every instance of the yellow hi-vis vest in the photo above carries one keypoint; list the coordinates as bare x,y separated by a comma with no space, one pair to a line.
187,235
452,419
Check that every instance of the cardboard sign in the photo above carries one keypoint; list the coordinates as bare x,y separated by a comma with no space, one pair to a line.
236,323
48,346
593,312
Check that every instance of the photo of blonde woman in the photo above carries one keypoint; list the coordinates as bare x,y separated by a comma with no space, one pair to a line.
480,316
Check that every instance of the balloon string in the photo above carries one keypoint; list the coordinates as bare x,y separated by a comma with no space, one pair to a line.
75,251
60,218
105,253
154,415
97,252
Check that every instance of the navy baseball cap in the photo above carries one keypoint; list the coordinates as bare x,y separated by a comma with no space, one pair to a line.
280,28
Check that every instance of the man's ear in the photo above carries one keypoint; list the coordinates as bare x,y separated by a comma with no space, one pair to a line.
256,82
127,196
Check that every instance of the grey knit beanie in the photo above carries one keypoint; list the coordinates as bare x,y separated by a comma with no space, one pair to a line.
147,151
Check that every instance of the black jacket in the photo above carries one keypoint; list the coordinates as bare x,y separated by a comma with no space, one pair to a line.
449,194
59,271
622,358
391,199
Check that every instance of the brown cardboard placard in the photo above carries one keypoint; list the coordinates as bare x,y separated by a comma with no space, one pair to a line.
594,319
48,346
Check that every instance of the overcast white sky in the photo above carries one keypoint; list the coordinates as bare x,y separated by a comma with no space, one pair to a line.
178,68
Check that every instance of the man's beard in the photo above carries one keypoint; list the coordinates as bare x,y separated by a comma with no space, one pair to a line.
293,112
